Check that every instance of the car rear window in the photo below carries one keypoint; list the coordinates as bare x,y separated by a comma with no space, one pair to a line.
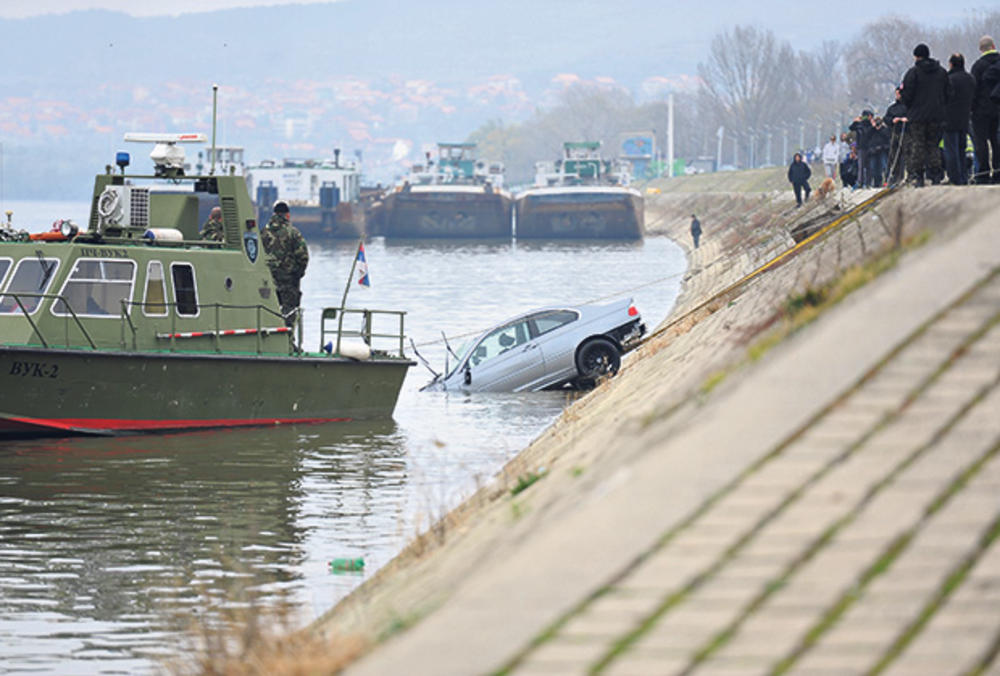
550,321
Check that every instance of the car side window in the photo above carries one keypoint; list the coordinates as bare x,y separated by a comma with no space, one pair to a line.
552,320
500,340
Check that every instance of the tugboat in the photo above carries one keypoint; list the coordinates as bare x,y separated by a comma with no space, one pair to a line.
457,196
137,325
324,195
580,196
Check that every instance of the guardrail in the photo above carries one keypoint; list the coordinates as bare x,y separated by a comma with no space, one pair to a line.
258,330
129,330
18,295
366,333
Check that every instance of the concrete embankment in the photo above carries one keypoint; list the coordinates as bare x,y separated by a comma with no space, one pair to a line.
570,574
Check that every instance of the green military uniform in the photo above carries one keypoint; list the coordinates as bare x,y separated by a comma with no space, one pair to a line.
214,229
287,257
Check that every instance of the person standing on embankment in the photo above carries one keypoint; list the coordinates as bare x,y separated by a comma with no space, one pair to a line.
695,230
798,174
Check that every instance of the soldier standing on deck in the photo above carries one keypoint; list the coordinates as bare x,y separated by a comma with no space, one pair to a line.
287,257
213,228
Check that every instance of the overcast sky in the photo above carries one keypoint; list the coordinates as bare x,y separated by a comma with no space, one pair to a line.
15,9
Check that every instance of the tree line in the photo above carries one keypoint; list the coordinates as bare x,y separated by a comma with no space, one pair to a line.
768,99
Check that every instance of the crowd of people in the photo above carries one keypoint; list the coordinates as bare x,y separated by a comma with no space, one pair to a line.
943,124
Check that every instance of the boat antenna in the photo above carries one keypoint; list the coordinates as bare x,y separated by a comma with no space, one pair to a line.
215,108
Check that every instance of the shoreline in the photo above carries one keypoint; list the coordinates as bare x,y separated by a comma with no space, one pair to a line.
586,453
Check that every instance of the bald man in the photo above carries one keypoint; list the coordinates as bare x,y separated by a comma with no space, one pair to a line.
213,228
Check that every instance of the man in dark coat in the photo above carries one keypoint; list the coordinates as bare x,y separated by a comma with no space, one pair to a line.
878,153
862,128
799,173
849,169
985,115
925,92
695,230
956,119
895,119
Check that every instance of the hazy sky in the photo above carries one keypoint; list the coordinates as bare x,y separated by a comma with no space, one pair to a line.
14,9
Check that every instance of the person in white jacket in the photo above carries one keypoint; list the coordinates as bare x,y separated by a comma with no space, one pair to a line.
831,157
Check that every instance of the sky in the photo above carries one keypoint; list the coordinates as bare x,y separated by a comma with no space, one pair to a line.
19,9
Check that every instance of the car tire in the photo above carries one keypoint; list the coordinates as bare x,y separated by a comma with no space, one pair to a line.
596,358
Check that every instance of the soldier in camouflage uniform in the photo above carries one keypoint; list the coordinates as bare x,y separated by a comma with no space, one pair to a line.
287,257
213,228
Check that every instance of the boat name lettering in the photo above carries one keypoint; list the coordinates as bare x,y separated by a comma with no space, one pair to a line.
103,253
34,369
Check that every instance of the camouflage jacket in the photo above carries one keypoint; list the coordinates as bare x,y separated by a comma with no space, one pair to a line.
285,247
214,230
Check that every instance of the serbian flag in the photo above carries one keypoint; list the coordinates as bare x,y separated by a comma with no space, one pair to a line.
362,267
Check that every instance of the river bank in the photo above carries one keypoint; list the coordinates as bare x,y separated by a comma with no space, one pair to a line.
576,509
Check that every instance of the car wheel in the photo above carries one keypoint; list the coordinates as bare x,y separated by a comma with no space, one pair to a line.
597,357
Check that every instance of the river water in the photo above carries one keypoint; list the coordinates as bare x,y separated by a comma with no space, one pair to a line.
108,545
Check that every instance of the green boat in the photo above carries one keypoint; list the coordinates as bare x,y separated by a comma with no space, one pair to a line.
136,325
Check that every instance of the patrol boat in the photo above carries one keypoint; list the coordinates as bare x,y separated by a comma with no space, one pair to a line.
456,196
580,195
136,325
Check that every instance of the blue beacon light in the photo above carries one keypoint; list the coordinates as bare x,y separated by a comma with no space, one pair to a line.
122,160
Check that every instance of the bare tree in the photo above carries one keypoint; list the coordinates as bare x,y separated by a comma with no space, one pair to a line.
748,83
878,59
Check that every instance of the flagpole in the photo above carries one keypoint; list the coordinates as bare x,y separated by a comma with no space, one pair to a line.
343,301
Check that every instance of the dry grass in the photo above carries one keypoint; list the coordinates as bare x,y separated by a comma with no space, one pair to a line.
254,641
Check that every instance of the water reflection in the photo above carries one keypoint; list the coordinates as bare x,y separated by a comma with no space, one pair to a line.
99,535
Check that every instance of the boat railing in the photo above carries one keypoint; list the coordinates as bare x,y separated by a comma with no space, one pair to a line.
258,330
366,333
71,314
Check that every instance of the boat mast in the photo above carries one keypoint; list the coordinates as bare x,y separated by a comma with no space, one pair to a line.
215,108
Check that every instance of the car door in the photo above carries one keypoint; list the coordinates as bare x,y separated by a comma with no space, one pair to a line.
505,360
555,334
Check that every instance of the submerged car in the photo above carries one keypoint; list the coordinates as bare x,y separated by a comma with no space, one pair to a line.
547,348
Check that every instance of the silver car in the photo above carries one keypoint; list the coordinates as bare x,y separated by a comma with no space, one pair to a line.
546,348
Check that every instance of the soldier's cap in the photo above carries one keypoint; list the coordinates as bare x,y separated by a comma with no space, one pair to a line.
281,207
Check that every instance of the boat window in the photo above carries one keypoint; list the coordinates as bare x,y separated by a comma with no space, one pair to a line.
185,290
155,300
96,288
5,264
552,320
499,341
31,278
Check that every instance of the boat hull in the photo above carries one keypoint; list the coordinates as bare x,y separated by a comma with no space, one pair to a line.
55,392
442,214
580,214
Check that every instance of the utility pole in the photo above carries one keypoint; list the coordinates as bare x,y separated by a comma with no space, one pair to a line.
770,130
670,134
718,150
784,144
802,134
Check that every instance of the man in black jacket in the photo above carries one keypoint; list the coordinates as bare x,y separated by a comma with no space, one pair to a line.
799,173
862,128
895,119
956,119
985,115
926,90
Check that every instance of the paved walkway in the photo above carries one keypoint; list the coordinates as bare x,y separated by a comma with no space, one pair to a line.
832,511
